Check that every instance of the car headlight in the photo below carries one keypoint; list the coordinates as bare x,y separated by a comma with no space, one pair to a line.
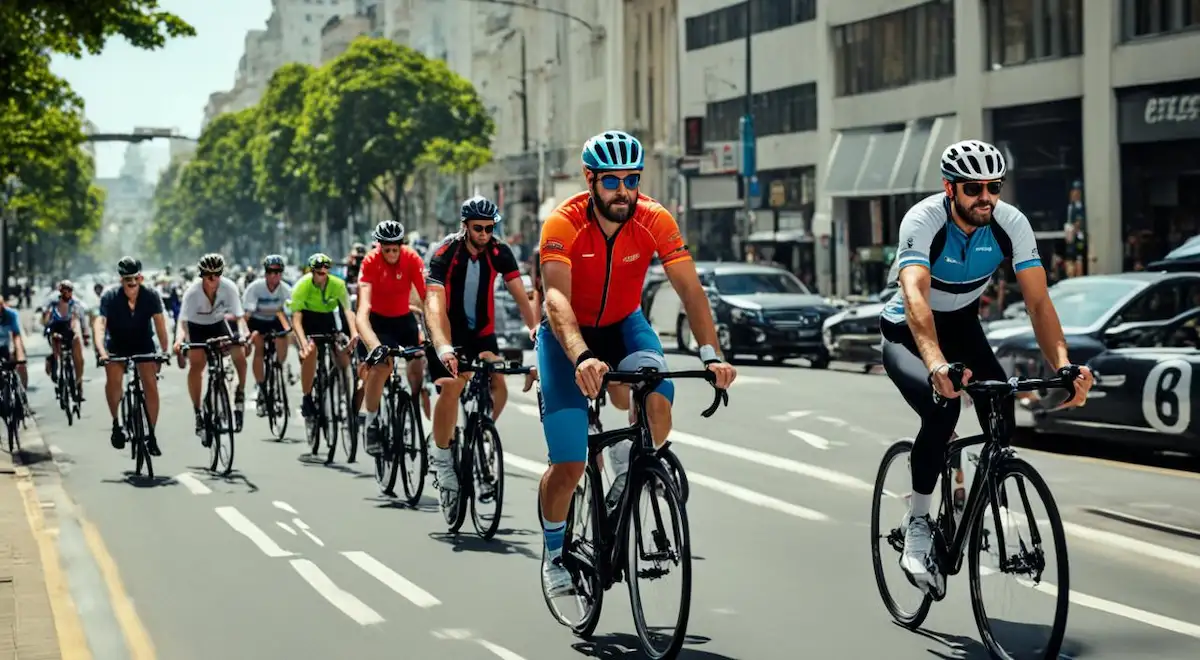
743,315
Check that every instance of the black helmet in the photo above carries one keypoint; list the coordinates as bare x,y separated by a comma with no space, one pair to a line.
212,263
129,266
389,231
479,208
273,261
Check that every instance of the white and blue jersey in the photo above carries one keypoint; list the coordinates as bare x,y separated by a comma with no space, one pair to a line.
960,264
10,326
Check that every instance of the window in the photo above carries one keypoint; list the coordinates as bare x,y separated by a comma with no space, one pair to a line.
777,112
897,49
1020,31
1143,18
729,23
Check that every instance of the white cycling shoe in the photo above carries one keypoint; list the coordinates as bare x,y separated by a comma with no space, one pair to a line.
556,581
917,559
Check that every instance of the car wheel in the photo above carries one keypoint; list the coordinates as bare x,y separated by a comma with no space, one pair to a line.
684,340
819,362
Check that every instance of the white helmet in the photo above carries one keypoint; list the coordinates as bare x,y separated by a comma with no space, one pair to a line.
972,160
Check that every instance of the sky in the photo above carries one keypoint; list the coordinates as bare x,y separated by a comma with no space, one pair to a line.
124,87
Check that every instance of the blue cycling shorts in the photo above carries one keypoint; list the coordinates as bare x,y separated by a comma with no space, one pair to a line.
626,346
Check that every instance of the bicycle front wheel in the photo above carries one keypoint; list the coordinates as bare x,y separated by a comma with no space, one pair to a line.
221,429
410,447
889,504
330,404
1015,544
658,544
487,502
137,435
277,402
346,415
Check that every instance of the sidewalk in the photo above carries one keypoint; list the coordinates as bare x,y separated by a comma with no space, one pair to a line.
27,624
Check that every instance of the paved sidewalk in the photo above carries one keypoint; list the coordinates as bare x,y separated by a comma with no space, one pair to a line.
27,623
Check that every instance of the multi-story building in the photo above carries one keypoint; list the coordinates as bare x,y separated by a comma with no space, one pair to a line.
128,203
1107,97
339,31
651,93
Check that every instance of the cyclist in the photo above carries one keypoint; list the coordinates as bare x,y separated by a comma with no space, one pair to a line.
130,316
208,306
460,312
12,344
950,245
98,289
389,274
319,303
595,250
354,262
65,317
264,302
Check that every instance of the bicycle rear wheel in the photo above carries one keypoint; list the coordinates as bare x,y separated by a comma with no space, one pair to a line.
220,426
661,550
582,556
1023,555
887,538
277,402
488,471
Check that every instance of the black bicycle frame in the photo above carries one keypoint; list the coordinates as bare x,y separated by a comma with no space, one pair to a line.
214,355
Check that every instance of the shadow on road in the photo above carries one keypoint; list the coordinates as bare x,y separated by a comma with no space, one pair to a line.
1020,640
142,481
1073,446
628,647
425,505
307,459
498,545
234,478
285,441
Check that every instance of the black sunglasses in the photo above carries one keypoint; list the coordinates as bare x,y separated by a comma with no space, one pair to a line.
975,188
274,271
483,229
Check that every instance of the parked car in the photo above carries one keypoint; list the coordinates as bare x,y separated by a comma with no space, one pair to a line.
1184,257
511,333
759,310
852,335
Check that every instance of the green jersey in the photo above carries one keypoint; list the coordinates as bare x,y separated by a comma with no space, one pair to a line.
307,296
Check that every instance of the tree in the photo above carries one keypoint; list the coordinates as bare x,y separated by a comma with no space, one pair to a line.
380,110
277,178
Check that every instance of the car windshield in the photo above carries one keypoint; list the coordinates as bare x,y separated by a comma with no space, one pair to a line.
740,284
1080,302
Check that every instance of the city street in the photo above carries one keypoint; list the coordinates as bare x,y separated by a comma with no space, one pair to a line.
294,559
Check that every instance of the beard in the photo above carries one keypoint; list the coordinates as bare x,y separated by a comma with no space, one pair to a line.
978,215
607,210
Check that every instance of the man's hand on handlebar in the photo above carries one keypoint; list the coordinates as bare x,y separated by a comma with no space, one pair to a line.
589,375
1083,384
530,378
724,372
943,382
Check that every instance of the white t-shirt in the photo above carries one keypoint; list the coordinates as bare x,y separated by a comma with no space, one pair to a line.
262,303
195,307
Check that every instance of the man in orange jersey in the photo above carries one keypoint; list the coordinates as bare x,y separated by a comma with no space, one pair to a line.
595,250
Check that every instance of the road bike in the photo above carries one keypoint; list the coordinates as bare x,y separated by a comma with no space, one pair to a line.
333,398
13,404
402,437
671,462
600,549
997,462
66,388
216,412
476,450
135,421
274,386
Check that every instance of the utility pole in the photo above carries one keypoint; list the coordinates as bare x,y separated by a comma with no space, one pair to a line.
749,180
524,98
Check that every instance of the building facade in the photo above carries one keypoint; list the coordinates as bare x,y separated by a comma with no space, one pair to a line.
339,31
652,93
1104,94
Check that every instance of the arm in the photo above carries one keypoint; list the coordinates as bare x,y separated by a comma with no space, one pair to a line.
99,325
298,326
1046,326
18,347
351,320
160,329
239,313
363,315
914,287
517,289
436,317
556,276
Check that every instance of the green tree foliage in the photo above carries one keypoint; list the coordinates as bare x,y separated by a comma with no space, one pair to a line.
321,143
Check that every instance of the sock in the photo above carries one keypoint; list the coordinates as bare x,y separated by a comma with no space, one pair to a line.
919,504
371,416
553,533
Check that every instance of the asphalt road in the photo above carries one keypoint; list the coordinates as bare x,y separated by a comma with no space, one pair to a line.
289,558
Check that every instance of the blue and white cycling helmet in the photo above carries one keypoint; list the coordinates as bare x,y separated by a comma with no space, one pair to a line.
613,150
972,160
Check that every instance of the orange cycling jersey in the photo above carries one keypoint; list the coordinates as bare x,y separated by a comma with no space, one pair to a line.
607,274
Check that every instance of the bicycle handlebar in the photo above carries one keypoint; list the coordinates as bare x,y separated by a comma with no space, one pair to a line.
1063,380
507,368
410,353
143,357
652,375
276,334
214,343
9,365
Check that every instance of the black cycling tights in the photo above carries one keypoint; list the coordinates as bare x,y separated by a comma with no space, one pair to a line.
962,340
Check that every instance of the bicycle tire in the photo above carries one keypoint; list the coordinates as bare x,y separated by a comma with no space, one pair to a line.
277,402
7,401
349,415
650,478
387,463
910,620
408,454
458,516
675,469
586,546
137,435
329,405
221,423
485,528
318,397
66,383
1018,467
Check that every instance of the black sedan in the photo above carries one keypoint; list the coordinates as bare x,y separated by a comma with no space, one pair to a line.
852,335
1137,332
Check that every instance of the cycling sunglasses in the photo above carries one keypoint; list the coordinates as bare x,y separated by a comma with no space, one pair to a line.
211,276
274,271
612,181
483,229
975,188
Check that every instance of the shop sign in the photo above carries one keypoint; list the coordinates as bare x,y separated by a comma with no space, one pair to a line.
1155,115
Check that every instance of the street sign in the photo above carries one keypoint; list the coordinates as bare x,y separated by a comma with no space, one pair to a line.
778,194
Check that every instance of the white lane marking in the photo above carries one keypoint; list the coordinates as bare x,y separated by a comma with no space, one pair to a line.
348,603
794,414
778,462
451,633
393,580
303,526
1133,545
499,651
284,506
285,527
1111,607
192,483
833,420
811,438
723,487
242,525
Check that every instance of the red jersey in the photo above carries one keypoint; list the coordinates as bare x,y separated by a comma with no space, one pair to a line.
391,284
607,274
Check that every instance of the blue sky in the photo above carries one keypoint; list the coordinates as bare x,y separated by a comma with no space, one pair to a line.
124,87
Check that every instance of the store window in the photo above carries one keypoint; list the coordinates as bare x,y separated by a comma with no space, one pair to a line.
1020,31
1145,18
777,112
901,48
729,23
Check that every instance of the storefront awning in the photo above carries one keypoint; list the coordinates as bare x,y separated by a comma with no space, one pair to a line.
878,163
845,162
943,133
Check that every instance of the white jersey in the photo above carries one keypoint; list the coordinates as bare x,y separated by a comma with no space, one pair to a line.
195,307
262,303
